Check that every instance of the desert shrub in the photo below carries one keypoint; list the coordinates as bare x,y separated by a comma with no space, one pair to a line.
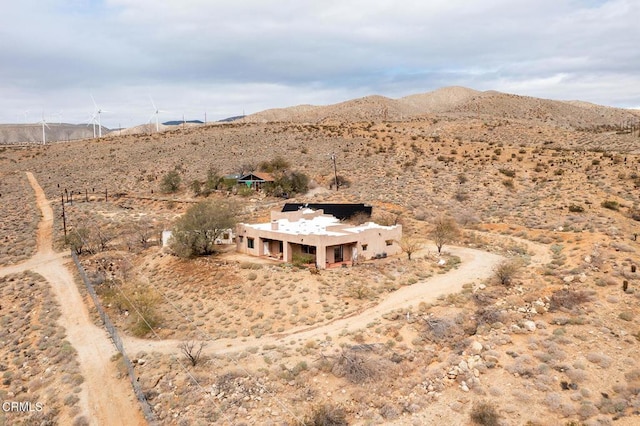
626,316
356,367
286,184
575,208
489,315
326,415
302,259
143,302
484,414
611,205
508,172
196,187
275,165
568,299
171,182
508,183
506,271
194,234
440,330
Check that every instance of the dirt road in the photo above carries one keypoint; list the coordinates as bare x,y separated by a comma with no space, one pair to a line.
475,265
105,399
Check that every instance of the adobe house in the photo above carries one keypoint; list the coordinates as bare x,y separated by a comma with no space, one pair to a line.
322,236
255,180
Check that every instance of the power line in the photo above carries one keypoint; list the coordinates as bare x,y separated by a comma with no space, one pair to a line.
177,359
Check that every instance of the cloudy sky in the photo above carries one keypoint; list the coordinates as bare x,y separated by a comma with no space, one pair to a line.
224,57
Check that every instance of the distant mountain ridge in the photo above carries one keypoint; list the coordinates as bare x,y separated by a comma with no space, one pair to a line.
458,102
32,133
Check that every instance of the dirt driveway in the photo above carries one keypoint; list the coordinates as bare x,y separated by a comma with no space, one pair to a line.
105,399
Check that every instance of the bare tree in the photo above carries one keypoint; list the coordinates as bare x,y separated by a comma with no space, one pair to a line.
192,353
409,245
144,230
445,231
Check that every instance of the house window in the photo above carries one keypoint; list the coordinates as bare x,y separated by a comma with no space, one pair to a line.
250,242
225,236
240,238
308,249
364,247
389,242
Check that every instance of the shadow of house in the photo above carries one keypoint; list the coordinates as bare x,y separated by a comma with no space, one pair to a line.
342,211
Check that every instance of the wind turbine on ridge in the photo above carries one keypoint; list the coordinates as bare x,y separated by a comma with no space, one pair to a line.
44,123
92,121
156,112
98,113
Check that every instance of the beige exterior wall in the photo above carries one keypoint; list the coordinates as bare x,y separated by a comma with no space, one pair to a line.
368,242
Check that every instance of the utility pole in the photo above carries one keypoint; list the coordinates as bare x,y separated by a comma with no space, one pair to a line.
64,218
335,169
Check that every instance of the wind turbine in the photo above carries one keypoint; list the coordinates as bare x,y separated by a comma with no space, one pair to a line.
26,114
98,113
44,124
92,119
156,112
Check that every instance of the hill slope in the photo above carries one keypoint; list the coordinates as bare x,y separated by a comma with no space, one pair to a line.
455,101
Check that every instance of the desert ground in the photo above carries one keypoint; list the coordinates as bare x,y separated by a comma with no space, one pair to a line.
547,187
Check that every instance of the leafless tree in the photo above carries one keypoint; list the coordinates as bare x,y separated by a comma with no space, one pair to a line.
445,230
192,351
409,245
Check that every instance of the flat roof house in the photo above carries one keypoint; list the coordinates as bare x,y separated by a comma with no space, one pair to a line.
311,232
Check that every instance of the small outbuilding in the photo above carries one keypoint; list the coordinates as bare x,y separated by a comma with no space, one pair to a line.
255,180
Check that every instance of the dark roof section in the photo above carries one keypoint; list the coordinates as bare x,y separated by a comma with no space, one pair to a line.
256,177
341,211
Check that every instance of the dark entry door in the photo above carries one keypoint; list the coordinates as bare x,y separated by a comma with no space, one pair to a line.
338,254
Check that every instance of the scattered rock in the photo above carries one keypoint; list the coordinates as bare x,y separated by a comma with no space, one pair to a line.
475,347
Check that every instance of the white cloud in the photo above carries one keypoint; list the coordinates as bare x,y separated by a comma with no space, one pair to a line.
282,52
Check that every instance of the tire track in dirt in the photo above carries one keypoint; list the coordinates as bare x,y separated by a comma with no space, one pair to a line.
105,399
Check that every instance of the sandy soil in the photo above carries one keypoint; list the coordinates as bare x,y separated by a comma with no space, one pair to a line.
476,265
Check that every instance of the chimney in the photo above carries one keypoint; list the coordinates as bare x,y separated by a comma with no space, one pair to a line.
274,225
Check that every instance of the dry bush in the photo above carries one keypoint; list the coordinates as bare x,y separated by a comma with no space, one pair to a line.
192,351
441,330
506,271
326,415
568,299
356,367
484,414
